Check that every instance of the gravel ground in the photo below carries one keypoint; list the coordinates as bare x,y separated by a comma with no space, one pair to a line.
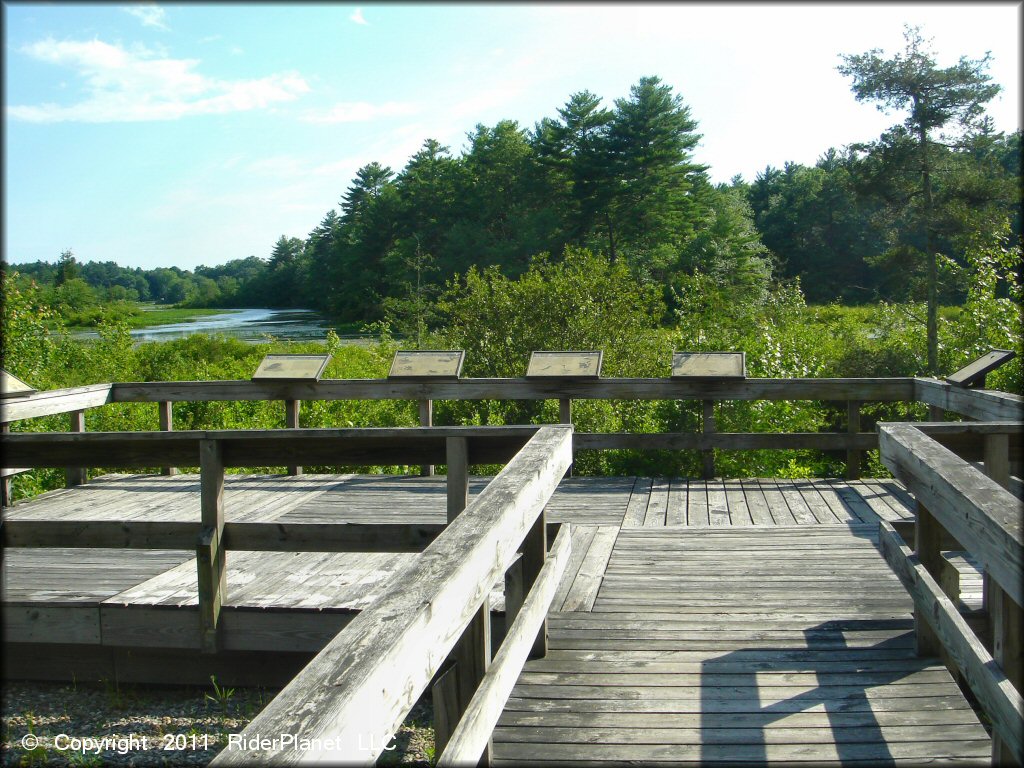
62,724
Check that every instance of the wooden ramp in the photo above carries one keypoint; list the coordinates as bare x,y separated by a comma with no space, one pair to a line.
727,645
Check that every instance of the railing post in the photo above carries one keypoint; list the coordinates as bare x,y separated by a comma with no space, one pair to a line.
75,475
936,413
165,409
457,450
5,483
853,427
927,546
708,427
427,420
291,419
535,551
211,559
565,417
1005,615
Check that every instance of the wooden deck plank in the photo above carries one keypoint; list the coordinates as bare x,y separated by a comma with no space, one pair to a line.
636,510
739,512
585,588
657,505
675,515
741,645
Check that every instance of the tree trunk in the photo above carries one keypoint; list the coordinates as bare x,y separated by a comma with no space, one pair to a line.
931,259
611,237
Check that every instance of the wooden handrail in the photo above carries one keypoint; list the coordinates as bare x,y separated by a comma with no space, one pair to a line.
248,448
55,401
877,389
961,508
983,404
349,701
979,513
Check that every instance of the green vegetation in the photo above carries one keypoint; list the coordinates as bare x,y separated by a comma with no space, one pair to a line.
597,230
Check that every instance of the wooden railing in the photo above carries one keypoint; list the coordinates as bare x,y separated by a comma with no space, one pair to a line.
366,682
345,706
964,511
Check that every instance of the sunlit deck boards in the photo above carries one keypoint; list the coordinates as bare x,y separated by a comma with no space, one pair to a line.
722,621
739,646
159,586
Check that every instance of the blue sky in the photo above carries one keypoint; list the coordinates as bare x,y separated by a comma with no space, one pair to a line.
158,135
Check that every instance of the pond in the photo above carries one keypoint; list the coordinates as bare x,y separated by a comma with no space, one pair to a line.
250,325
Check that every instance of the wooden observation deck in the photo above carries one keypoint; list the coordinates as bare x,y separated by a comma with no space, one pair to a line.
556,619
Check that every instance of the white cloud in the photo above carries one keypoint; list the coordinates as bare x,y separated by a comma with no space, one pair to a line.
360,112
357,17
124,86
149,15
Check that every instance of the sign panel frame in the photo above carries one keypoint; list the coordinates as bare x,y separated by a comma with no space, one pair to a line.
559,364
973,374
12,386
285,367
709,365
427,364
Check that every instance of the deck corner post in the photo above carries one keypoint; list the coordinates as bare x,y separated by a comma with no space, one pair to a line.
5,483
165,408
927,546
426,420
535,551
565,417
997,458
457,449
708,428
853,456
75,475
291,421
211,559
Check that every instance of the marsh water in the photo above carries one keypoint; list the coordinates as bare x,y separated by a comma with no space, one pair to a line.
250,325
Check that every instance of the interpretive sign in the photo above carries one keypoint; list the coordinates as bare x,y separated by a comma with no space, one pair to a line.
709,365
576,363
291,368
12,386
427,363
973,374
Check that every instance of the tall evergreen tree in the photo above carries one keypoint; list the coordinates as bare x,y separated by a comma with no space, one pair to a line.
936,99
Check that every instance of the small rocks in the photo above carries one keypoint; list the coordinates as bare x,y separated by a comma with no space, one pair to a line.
60,724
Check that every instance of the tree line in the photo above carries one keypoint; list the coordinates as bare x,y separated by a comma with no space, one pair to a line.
886,219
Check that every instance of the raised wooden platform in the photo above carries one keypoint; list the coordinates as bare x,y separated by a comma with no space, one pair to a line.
786,644
698,621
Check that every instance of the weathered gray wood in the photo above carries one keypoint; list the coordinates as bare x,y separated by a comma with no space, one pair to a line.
472,659
445,696
984,517
472,736
165,409
457,459
403,445
708,428
366,680
732,441
291,421
928,549
583,593
426,413
853,427
871,389
56,401
534,554
75,475
211,559
976,403
996,694
5,479
997,458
